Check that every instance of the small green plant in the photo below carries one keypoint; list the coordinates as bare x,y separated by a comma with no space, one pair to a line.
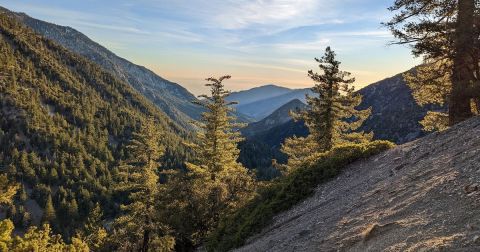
287,191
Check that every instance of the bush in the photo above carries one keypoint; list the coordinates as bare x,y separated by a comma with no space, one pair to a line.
287,191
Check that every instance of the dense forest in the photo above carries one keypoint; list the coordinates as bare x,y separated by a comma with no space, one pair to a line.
64,125
89,164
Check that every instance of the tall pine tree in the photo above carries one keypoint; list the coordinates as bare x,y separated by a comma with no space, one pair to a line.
446,34
219,180
139,229
331,116
49,215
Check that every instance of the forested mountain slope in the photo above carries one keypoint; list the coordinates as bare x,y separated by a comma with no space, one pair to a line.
395,114
170,97
278,117
419,196
64,124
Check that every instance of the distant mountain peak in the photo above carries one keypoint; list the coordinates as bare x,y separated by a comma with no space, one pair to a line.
260,102
278,117
266,86
256,94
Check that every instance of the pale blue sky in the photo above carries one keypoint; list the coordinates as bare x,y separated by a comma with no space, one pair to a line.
256,41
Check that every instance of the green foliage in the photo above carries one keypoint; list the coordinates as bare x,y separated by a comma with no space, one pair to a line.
6,228
7,190
93,233
49,212
65,123
431,82
215,183
446,34
257,155
435,121
139,227
219,136
287,191
36,240
331,116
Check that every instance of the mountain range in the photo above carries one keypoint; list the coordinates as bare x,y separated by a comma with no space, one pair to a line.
395,117
395,114
170,97
71,111
279,117
390,99
260,102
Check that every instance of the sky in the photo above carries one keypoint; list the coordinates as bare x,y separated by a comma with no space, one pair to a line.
258,42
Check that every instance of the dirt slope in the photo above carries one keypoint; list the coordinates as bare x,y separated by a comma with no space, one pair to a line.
420,196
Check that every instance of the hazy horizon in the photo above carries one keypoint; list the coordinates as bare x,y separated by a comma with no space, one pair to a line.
257,42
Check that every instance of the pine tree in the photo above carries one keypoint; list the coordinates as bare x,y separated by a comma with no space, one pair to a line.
93,232
331,116
218,137
138,228
446,34
73,210
43,240
22,196
220,182
6,229
7,190
49,215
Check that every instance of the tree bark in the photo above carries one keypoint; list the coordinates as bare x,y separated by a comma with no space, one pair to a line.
459,105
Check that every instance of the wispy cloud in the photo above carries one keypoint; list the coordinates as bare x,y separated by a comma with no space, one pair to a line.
243,14
268,66
254,39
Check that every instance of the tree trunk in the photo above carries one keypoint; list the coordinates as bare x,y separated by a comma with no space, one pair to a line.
459,104
146,241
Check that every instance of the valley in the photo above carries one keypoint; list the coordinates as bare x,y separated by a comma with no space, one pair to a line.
100,153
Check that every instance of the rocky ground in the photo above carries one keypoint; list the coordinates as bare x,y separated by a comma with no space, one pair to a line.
420,196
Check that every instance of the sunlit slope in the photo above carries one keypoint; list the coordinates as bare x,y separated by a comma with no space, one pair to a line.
422,195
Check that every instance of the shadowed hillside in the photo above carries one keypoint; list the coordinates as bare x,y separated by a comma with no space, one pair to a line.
395,114
278,117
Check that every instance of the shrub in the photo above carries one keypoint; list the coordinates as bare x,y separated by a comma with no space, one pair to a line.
287,191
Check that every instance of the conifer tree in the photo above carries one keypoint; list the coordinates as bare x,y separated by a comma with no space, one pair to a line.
49,215
218,138
220,181
139,229
73,210
7,190
331,116
23,195
93,232
446,34
6,229
37,239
